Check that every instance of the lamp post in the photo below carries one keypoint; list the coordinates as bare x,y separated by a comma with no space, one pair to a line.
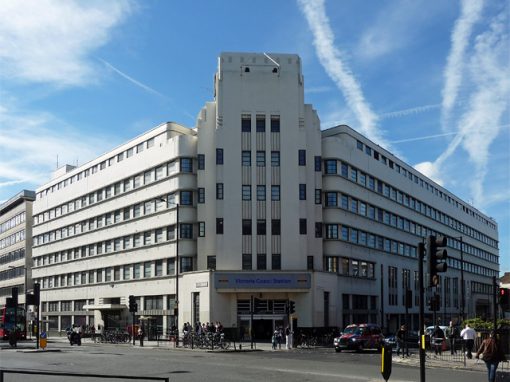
462,292
177,232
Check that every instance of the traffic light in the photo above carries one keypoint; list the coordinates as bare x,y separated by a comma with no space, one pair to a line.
37,294
504,299
292,307
14,297
133,306
435,303
436,256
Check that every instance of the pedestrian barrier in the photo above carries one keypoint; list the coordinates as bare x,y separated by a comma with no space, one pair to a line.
122,377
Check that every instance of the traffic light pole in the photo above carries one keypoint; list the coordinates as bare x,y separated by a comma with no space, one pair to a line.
494,303
421,257
133,329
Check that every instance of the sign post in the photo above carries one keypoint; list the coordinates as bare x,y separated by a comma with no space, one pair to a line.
386,362
43,341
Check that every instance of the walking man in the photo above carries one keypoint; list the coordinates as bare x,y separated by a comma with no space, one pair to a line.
452,335
288,338
468,335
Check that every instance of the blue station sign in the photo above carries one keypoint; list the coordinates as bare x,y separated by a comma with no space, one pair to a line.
227,280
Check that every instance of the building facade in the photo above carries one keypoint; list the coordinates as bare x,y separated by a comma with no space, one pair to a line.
254,203
16,245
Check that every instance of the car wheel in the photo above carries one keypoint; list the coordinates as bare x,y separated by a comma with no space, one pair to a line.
338,350
360,348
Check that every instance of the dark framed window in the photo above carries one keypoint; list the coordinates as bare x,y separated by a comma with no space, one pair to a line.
260,124
344,170
261,227
331,199
246,262
302,191
246,123
261,158
201,229
302,157
186,264
186,231
246,158
186,198
201,161
201,195
275,159
276,261
219,226
246,227
302,226
318,229
246,192
219,156
330,166
275,227
211,262
309,263
186,165
219,191
275,123
318,196
318,163
261,261
261,192
359,145
275,192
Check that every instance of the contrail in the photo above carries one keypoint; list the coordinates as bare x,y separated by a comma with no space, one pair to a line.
423,138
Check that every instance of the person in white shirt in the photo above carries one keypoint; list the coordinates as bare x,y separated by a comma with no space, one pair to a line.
468,335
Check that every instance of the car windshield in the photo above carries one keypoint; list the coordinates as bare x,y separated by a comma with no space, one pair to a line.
353,330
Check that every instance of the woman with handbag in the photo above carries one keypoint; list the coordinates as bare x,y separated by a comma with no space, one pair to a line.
491,355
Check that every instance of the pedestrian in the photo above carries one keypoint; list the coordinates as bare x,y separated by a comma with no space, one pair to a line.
492,355
279,337
288,338
274,340
453,333
400,338
438,338
468,335
140,335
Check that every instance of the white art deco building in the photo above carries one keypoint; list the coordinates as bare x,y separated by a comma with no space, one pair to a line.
254,201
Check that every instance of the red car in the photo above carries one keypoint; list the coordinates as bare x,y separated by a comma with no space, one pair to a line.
358,337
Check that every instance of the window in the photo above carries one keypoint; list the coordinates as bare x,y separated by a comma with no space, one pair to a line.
330,166
261,261
136,274
275,193
261,158
211,262
120,157
219,226
147,269
318,163
186,198
261,227
261,192
331,199
302,157
359,145
246,260
150,143
129,152
275,159
246,227
331,231
201,161
186,165
147,238
158,235
309,263
275,123
170,267
260,124
186,264
147,177
246,192
219,156
318,196
246,158
246,123
201,195
186,231
219,191
302,192
275,227
201,229
302,226
318,229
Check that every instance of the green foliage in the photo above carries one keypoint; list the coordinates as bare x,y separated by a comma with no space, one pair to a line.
479,324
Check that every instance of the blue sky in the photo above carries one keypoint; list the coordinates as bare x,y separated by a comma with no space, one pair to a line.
429,80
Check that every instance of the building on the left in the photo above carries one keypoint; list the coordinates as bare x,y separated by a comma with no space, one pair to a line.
16,245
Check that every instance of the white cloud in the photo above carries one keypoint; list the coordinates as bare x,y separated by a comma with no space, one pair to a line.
470,14
48,41
429,170
409,111
331,59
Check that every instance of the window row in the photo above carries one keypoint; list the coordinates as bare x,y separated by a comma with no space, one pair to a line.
423,183
184,165
12,239
13,222
12,273
99,167
359,207
349,267
135,211
12,256
260,123
261,261
376,185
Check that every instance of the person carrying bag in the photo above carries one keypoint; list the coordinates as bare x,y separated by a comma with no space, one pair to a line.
490,352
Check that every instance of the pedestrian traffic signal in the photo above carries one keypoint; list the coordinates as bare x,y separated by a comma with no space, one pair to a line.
504,299
292,307
436,256
435,303
133,306
37,294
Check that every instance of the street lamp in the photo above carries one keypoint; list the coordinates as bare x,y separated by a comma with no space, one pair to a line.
177,232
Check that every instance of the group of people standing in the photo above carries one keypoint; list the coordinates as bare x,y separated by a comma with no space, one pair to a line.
202,328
